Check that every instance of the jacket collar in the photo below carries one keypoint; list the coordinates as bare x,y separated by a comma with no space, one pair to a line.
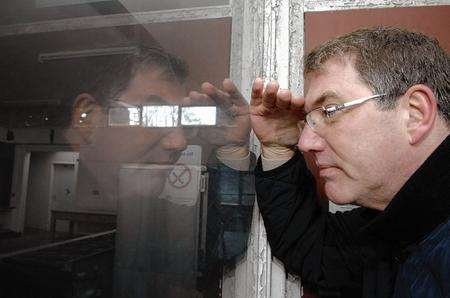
421,204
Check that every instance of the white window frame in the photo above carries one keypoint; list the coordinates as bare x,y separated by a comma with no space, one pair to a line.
267,41
273,32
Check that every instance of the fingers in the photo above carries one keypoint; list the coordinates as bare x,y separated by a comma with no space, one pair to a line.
235,96
297,103
283,100
269,96
257,92
197,98
218,96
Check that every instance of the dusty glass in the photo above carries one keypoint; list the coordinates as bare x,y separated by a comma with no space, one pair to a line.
117,180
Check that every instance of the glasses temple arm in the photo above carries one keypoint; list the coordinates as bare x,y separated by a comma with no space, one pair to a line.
360,100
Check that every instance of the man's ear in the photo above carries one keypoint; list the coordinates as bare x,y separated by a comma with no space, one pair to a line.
422,112
86,114
86,111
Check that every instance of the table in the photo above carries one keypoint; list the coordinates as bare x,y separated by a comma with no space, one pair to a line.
74,216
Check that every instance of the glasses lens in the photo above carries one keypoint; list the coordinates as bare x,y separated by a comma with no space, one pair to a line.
198,116
316,119
160,116
123,116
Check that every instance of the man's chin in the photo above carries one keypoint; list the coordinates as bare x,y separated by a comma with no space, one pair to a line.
337,194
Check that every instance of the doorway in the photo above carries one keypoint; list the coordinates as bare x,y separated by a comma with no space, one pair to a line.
51,186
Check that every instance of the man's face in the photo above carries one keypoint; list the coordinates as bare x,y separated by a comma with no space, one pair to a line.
138,144
360,150
103,157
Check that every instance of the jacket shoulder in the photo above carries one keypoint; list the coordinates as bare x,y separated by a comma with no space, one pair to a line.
426,273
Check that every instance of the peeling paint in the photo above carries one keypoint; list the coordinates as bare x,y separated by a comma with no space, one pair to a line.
296,37
115,20
329,5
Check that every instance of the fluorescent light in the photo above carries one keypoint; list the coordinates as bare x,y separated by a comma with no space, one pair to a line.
88,53
51,3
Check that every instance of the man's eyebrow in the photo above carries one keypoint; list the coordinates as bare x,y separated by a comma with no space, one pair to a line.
155,99
151,99
329,94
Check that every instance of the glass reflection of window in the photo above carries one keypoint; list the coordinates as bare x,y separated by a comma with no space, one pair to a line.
124,116
198,116
160,116
133,114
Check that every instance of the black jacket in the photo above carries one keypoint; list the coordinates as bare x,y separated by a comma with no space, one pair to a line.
356,253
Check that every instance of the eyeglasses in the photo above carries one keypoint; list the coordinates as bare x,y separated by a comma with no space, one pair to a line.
124,114
322,117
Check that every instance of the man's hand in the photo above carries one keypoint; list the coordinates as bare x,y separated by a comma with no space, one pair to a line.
231,103
275,114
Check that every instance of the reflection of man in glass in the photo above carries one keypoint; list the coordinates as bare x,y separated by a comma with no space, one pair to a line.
113,116
155,78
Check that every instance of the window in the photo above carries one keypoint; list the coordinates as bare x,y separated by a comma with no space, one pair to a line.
117,174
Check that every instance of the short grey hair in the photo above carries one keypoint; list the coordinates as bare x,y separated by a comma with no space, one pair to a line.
391,60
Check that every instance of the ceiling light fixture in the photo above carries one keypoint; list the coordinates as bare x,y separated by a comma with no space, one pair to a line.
43,57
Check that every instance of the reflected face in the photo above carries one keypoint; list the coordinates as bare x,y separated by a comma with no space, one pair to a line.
359,152
138,144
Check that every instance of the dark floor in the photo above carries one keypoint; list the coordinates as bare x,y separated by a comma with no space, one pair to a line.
77,268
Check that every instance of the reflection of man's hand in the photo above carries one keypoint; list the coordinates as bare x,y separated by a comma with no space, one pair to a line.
230,103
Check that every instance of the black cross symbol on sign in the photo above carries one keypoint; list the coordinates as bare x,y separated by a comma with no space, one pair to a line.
180,176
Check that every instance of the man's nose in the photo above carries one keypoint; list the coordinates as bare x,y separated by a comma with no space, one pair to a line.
175,140
310,141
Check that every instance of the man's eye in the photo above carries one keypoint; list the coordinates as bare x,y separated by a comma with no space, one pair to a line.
123,116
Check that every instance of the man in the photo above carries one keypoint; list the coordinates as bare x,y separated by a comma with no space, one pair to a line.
155,251
377,113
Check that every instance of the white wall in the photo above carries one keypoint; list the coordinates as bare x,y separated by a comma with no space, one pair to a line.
39,191
32,140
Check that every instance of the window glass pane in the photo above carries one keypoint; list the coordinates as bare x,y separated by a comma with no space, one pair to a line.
198,116
117,178
160,116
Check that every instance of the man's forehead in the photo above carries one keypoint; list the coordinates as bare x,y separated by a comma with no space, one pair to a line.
337,79
319,88
147,88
